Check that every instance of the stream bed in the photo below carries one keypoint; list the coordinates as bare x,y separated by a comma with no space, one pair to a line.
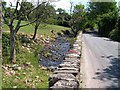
54,53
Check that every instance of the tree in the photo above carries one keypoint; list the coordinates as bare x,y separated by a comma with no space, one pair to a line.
71,21
27,6
104,14
0,33
0,43
78,18
12,17
62,17
41,15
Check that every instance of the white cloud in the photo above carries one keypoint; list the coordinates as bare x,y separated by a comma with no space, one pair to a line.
64,4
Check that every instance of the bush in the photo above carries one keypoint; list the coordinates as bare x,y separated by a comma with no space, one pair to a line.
6,45
63,23
66,32
37,49
107,23
115,34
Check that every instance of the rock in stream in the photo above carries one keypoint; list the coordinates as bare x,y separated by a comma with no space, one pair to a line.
54,53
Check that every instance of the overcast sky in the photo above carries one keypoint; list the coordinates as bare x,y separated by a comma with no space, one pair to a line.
64,4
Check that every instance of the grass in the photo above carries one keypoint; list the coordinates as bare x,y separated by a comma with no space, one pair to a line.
29,72
43,28
19,79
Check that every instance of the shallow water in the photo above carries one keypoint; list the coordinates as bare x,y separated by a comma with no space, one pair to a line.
58,49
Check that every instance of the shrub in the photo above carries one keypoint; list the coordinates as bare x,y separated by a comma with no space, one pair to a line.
115,34
107,23
6,45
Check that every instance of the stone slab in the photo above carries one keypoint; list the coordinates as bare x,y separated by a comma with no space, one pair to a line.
69,65
74,72
68,68
64,83
56,77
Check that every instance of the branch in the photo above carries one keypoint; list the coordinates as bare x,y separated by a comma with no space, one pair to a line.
17,3
18,24
27,24
36,7
12,16
6,22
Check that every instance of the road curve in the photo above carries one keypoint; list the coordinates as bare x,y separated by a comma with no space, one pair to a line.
100,64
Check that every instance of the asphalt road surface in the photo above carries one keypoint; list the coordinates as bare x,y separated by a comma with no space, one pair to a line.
100,64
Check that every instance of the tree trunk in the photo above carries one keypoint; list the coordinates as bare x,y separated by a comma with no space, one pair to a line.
35,32
12,46
0,45
0,34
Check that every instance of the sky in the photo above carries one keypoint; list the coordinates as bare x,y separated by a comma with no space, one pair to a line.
64,4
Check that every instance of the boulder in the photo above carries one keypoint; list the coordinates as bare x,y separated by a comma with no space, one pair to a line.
69,65
68,68
71,60
67,62
67,84
56,77
74,72
73,55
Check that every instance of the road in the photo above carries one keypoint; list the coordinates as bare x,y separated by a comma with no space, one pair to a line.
100,64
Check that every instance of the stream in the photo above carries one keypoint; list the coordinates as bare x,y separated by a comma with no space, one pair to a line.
54,53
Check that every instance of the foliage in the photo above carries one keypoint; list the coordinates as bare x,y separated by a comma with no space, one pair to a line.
78,18
104,15
62,17
43,13
27,61
6,45
115,34
26,6
19,12
107,23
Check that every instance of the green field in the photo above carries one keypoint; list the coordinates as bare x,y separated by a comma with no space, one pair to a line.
43,28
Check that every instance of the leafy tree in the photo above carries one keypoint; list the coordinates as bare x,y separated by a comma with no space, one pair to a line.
62,17
78,18
12,17
51,14
27,6
42,15
104,14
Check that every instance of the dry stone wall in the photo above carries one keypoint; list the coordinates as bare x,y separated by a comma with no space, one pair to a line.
67,75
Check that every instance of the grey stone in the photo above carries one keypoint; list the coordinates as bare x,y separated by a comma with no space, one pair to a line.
69,65
73,54
71,62
56,77
75,45
62,88
65,83
74,72
68,68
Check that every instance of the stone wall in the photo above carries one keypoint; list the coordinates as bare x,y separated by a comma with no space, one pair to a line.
67,75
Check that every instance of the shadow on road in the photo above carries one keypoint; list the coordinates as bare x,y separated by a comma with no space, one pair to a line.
111,73
96,34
